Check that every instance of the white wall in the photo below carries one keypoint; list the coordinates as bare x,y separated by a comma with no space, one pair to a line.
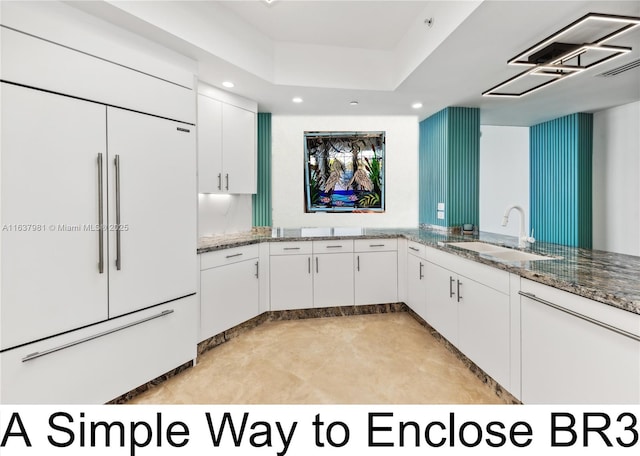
504,177
616,179
223,214
401,162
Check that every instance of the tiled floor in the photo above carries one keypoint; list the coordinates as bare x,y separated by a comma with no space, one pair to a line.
366,359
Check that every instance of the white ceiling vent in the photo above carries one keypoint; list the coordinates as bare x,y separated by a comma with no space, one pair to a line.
621,69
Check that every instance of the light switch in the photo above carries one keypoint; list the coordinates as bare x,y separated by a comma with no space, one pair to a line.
441,206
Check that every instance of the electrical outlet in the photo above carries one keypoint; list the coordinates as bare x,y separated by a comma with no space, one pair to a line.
441,215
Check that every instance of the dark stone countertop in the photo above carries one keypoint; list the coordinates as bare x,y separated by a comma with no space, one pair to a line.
607,277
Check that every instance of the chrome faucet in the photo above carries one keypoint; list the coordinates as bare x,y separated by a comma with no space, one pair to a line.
523,239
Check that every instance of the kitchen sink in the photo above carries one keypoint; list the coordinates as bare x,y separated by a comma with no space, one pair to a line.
479,247
517,255
495,252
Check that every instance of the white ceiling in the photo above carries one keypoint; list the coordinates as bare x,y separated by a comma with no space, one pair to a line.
354,24
381,53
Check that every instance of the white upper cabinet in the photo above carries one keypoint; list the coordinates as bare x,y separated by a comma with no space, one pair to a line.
226,147
238,149
209,145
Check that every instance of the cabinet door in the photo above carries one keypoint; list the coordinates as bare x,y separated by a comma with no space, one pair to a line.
51,281
442,301
209,145
291,282
228,296
376,277
483,328
568,360
239,149
416,285
333,280
154,260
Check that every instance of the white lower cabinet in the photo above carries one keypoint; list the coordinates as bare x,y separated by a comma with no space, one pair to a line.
309,274
291,285
442,301
484,329
333,279
101,362
469,304
577,351
416,280
229,289
376,276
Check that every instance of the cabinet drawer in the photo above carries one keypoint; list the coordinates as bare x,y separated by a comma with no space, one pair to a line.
417,249
612,316
96,364
333,246
375,245
291,248
228,256
482,273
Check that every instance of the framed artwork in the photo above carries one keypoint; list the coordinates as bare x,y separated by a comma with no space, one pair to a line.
344,171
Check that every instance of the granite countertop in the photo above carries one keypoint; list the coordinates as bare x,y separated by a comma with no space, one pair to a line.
607,277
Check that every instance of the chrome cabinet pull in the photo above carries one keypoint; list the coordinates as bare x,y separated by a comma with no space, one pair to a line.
358,266
226,176
291,248
380,245
451,280
100,217
118,246
459,295
219,181
414,249
317,270
334,246
234,255
257,269
309,264
622,332
35,355
421,267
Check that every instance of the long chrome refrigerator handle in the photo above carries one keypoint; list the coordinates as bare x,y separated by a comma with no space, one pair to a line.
35,355
118,249
602,324
100,217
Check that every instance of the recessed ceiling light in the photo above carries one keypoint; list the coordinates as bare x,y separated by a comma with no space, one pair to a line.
297,100
228,84
417,105
353,103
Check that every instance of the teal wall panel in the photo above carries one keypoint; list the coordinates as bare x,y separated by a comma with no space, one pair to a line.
433,149
560,176
261,201
464,166
449,166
